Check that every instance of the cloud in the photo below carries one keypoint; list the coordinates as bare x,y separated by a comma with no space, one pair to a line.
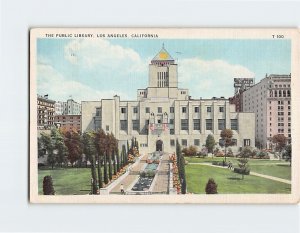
53,83
210,78
100,53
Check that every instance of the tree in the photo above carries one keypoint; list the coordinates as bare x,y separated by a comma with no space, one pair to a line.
181,167
46,147
210,143
60,149
280,141
89,150
288,153
74,146
211,187
243,161
118,160
226,135
48,186
100,144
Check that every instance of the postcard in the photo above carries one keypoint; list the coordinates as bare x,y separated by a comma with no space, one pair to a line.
164,115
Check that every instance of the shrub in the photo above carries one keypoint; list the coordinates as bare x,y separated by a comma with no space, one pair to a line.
216,163
262,154
241,171
211,187
48,186
229,153
189,151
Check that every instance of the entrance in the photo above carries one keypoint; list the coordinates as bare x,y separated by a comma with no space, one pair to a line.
159,145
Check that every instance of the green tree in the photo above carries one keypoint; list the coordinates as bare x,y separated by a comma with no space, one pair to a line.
211,187
60,149
181,167
46,147
100,143
210,143
226,135
89,150
118,160
48,186
288,153
243,161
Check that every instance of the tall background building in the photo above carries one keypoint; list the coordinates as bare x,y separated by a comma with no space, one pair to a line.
45,112
270,100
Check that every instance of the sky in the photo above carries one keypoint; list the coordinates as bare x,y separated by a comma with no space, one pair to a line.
88,70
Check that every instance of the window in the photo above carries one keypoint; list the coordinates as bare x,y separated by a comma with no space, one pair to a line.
107,127
184,124
221,124
147,110
172,132
172,142
135,110
136,125
209,124
221,109
183,109
159,109
197,142
123,110
171,109
171,121
196,109
123,124
98,112
196,124
246,142
184,142
208,109
234,124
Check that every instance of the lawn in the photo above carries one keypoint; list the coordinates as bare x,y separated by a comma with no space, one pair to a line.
278,170
262,166
233,160
229,182
67,181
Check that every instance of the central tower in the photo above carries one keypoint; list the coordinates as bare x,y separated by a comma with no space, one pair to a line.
163,70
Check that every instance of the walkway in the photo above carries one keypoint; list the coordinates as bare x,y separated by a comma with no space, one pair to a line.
162,181
251,173
133,175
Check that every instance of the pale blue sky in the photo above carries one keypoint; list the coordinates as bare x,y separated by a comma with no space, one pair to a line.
93,69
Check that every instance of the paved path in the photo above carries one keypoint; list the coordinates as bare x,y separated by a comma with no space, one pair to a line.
162,182
131,177
251,173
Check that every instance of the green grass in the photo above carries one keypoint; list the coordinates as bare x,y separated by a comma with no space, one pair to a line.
68,181
278,170
229,182
233,160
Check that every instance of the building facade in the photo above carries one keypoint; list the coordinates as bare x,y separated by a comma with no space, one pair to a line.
58,108
270,100
45,112
164,113
71,107
240,85
68,122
